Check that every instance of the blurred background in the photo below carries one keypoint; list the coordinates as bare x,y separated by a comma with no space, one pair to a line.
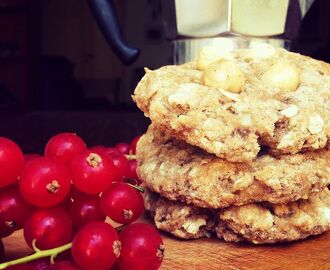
58,73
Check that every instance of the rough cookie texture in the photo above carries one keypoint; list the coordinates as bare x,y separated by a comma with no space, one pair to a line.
231,107
188,222
256,223
270,223
179,171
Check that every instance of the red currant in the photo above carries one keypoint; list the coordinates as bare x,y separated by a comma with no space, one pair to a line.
39,264
92,172
133,145
111,150
132,169
98,148
121,165
14,210
63,265
86,208
64,146
122,203
142,247
11,162
23,266
123,148
96,246
50,227
44,182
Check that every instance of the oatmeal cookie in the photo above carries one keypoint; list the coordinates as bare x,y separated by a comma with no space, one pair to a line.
179,171
183,221
258,223
270,223
232,104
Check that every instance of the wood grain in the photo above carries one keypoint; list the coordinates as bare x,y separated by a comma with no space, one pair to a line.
212,254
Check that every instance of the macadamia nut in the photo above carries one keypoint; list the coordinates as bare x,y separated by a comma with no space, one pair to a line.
224,74
282,75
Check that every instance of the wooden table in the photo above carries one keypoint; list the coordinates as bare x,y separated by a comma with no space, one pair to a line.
212,254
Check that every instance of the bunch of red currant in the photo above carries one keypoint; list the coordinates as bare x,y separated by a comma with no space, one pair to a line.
62,199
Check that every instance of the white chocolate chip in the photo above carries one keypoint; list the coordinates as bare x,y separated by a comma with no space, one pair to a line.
316,124
219,146
282,75
224,74
246,120
325,211
286,141
192,225
290,111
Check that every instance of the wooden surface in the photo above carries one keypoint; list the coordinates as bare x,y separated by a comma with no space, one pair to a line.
210,254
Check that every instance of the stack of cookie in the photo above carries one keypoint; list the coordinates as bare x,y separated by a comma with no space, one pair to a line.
238,144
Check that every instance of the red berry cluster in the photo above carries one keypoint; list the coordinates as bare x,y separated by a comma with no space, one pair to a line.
62,199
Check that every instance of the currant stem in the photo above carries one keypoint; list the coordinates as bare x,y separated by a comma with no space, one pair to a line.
37,255
136,187
34,246
129,157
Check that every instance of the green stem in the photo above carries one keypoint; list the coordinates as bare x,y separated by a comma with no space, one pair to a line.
37,255
136,187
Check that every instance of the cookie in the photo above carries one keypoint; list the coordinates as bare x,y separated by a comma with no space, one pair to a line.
183,221
270,223
179,171
231,104
258,223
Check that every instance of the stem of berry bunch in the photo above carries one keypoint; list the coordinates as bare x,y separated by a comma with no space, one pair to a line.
37,255
138,188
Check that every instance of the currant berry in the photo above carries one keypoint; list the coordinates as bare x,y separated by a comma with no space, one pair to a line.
49,228
96,246
14,210
44,182
11,162
122,203
98,148
132,173
123,148
86,208
92,172
121,165
39,264
63,265
64,146
142,247
111,150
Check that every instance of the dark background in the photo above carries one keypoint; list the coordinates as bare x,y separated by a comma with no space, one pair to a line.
57,73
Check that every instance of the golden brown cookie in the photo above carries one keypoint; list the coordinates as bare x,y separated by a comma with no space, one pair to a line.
183,221
179,171
232,104
257,222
